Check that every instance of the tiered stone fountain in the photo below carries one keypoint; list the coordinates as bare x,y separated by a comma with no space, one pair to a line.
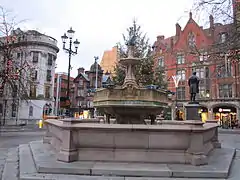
130,103
130,140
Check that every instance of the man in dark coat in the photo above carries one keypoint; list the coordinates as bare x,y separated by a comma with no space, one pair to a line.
193,83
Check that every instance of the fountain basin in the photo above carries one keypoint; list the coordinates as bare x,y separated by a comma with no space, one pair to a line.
130,105
186,144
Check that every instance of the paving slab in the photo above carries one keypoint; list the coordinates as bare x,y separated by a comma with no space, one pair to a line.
218,166
45,161
68,177
10,171
234,172
131,169
151,178
28,170
26,163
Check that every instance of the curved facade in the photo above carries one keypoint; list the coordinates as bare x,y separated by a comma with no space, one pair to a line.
39,52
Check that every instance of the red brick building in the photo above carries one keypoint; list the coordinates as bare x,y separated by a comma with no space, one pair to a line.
60,86
191,49
85,86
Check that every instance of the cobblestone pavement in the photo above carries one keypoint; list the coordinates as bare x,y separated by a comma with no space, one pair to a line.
10,140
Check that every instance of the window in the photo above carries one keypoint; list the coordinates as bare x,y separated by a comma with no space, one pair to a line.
80,103
89,104
161,61
182,74
1,109
34,75
223,37
200,72
14,91
80,92
202,91
35,56
207,72
18,55
181,93
223,70
47,91
80,82
50,59
203,56
33,91
191,40
30,111
49,76
180,59
14,110
225,90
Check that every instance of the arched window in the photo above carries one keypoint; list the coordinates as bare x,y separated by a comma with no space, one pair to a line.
14,110
30,110
191,40
1,109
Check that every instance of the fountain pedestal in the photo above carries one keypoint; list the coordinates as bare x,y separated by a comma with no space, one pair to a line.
192,111
176,143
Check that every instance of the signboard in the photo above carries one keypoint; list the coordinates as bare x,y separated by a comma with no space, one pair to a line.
224,110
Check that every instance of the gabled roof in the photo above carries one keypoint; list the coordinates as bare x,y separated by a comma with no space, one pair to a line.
83,75
105,78
186,28
211,34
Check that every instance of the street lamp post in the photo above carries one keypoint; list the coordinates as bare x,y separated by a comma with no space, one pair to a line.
70,34
96,82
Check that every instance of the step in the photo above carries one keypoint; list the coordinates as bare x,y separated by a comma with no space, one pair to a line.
45,156
219,165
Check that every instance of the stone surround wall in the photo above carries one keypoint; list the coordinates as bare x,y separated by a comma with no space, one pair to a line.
188,143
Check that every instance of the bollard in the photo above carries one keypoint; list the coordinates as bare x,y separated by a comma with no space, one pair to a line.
40,123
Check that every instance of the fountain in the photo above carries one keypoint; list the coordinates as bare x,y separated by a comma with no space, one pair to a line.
129,102
130,140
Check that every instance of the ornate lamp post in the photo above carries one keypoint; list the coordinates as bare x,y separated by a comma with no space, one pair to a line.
69,35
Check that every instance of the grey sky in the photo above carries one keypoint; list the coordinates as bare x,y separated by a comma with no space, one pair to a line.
99,24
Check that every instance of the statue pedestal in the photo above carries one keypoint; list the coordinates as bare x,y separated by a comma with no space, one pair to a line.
192,109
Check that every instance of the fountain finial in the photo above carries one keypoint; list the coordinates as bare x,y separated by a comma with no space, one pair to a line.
131,43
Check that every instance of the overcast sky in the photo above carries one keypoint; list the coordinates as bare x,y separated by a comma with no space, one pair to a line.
99,24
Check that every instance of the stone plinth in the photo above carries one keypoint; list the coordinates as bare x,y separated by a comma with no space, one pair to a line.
192,110
187,144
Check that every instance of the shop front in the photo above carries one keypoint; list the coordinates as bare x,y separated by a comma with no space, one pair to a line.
225,115
203,112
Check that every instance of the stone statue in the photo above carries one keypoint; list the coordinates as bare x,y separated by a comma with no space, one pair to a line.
193,83
132,37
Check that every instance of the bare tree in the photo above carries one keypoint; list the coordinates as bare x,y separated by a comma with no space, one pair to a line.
15,71
226,12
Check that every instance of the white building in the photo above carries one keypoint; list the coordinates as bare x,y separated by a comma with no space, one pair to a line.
39,52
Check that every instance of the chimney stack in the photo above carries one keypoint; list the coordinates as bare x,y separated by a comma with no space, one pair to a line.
81,70
211,29
190,15
178,30
171,43
211,20
160,38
